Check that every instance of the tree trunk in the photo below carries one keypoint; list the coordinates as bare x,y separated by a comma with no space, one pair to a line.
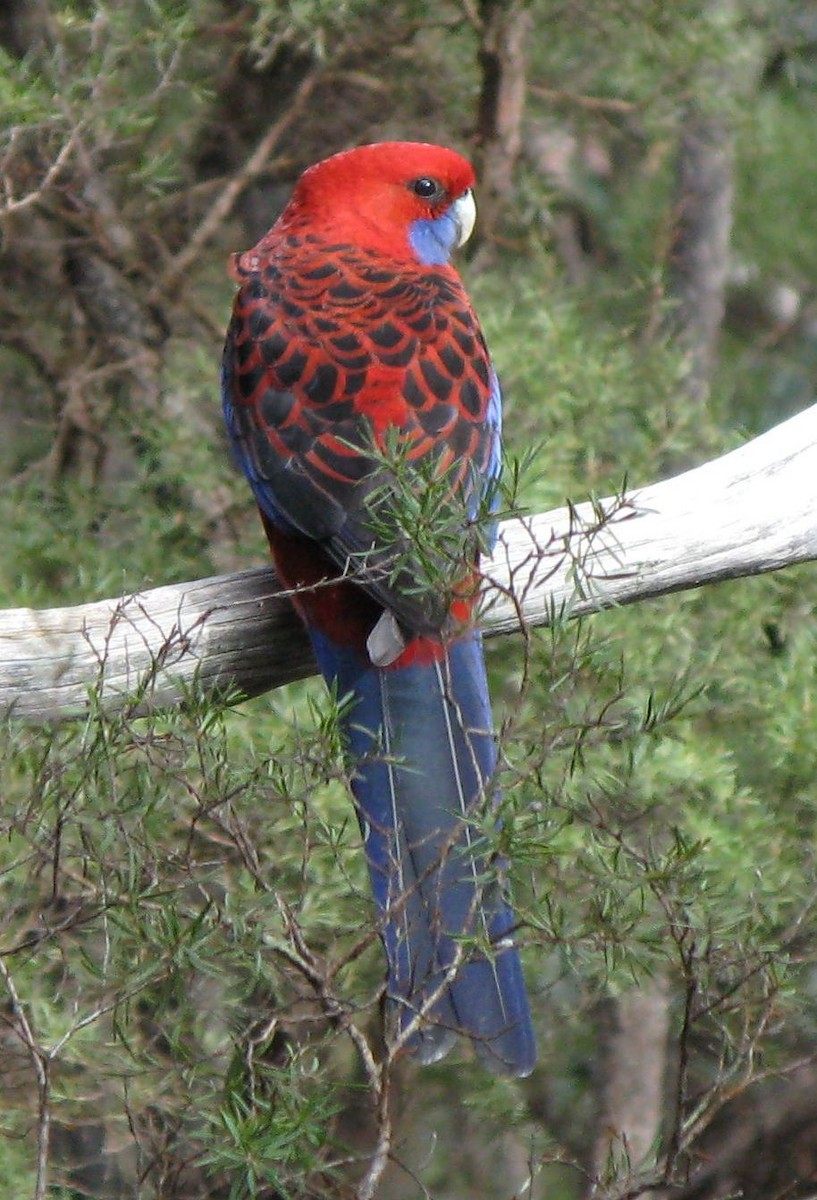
633,1034
26,27
700,248
704,195
505,31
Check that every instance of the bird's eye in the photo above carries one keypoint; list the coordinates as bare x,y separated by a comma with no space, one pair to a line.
427,188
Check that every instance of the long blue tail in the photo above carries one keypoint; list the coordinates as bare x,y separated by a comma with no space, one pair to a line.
423,749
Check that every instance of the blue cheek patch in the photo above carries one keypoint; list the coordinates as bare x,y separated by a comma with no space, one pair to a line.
433,238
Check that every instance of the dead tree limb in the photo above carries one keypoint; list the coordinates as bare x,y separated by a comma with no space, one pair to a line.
751,511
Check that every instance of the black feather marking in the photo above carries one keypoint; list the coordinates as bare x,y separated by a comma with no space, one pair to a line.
258,322
375,276
436,418
348,343
335,410
421,324
471,397
275,406
354,383
244,352
356,362
249,379
290,370
266,457
439,385
273,347
464,340
463,317
398,289
346,291
463,439
323,272
386,336
255,289
401,357
453,362
413,394
349,352
351,467
296,439
321,387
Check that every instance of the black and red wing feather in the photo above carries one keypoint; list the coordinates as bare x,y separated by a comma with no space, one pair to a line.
329,352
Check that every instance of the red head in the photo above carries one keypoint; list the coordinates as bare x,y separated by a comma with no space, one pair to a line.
409,199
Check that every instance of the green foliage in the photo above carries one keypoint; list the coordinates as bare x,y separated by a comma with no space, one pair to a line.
71,544
653,54
123,92
160,852
309,22
275,1138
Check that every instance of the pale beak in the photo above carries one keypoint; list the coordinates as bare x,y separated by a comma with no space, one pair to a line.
464,212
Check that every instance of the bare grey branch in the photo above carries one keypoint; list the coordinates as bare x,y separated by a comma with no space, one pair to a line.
751,511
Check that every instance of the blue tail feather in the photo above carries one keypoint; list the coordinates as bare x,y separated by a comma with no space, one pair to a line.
424,754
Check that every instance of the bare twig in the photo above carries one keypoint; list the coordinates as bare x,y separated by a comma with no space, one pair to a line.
588,103
377,1074
40,1061
256,164
48,180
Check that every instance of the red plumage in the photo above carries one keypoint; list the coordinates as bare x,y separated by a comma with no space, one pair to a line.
336,342
357,385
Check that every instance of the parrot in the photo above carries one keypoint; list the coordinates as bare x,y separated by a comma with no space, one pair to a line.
359,396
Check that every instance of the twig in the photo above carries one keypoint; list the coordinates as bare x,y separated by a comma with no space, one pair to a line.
40,1062
50,177
588,103
377,1075
255,165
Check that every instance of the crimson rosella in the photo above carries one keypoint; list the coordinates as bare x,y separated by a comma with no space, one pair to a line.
357,387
